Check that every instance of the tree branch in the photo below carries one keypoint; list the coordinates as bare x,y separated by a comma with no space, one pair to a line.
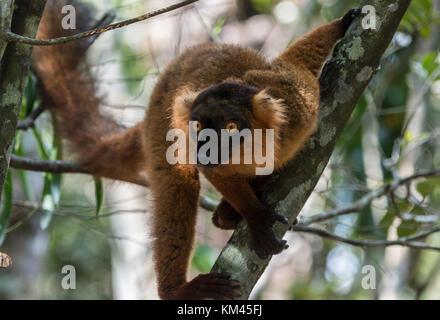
343,79
57,166
60,166
366,243
13,37
29,122
368,198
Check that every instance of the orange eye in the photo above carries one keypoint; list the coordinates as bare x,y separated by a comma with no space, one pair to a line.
198,126
231,127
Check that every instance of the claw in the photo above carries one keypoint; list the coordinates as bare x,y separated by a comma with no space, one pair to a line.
348,18
265,243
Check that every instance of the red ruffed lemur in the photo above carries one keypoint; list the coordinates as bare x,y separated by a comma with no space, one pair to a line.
217,87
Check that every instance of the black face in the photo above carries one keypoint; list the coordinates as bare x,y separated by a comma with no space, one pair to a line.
222,107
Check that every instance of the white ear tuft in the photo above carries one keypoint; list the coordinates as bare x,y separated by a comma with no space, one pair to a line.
181,108
269,110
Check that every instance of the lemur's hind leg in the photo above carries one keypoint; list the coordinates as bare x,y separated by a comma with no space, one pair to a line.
225,216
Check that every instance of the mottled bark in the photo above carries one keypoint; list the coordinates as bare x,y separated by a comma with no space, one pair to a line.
6,10
14,68
344,78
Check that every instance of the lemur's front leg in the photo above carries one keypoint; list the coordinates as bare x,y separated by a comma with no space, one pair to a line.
239,194
176,193
311,50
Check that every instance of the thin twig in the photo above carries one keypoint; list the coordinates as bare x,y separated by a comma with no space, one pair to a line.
368,198
29,122
392,197
105,234
366,243
12,37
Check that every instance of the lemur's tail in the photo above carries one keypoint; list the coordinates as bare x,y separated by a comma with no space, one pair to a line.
68,88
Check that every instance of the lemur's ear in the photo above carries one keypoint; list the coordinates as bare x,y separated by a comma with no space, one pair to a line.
269,110
182,107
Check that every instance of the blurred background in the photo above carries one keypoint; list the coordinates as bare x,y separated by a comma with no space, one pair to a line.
101,228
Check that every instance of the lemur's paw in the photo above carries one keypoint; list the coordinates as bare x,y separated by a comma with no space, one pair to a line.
217,286
348,18
225,216
265,243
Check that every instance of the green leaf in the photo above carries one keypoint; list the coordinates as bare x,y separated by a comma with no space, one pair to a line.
55,154
426,31
386,221
22,174
418,211
5,213
30,94
408,228
99,195
50,198
425,65
133,66
52,186
262,6
24,181
419,14
204,258
218,26
41,148
404,206
48,203
427,187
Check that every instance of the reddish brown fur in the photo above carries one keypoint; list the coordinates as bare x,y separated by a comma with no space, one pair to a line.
291,80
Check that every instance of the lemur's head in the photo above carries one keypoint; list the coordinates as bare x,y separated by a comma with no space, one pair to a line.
229,107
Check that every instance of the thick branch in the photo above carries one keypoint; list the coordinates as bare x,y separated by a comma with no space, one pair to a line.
13,37
343,80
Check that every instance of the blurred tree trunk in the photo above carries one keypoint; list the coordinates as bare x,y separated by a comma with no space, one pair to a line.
15,63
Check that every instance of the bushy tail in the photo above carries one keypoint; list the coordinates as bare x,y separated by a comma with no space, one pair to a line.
68,88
